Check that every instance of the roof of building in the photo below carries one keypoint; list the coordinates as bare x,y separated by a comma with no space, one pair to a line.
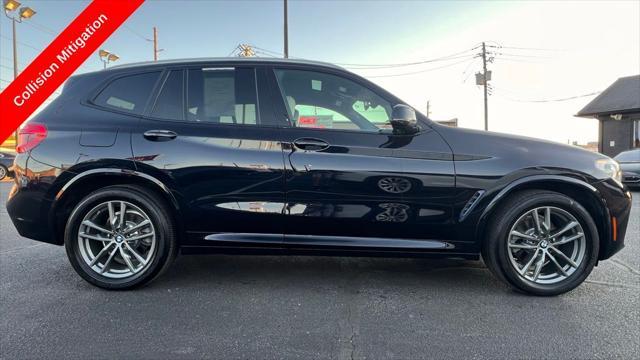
226,60
623,96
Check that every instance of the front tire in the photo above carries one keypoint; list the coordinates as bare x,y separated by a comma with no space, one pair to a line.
3,172
120,237
541,242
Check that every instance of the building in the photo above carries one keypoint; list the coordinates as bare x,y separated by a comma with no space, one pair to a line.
618,110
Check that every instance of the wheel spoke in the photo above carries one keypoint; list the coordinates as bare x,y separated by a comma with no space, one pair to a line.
567,227
564,257
102,252
122,213
553,259
528,265
140,225
138,237
539,265
547,219
569,239
522,246
134,253
112,217
126,259
93,237
96,227
536,220
524,236
106,264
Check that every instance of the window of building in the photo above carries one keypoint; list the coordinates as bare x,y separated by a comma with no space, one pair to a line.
222,96
636,133
128,93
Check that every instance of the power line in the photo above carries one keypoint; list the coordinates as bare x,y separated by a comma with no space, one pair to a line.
526,48
448,57
21,43
422,71
41,27
135,32
551,100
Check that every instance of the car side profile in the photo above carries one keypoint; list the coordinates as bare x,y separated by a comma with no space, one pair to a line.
131,165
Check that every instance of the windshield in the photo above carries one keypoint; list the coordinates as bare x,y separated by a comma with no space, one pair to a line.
628,156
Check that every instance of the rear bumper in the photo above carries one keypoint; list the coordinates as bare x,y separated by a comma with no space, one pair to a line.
617,202
29,211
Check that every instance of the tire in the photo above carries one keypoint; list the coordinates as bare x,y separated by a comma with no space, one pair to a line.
3,172
507,254
154,242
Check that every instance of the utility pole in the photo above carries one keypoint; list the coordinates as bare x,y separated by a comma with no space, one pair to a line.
428,108
286,30
485,81
155,44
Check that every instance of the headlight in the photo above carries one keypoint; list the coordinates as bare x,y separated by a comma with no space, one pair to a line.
611,168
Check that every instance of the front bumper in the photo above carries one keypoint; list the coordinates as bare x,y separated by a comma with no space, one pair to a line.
617,206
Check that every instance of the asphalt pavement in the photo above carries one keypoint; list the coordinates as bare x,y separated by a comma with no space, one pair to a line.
230,307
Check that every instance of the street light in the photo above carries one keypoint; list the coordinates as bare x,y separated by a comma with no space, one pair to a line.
10,7
107,57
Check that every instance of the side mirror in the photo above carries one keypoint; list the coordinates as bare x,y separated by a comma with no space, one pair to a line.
403,120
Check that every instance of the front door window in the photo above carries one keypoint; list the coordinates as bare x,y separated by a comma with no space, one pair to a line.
325,101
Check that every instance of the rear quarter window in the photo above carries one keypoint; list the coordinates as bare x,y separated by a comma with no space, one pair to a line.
129,93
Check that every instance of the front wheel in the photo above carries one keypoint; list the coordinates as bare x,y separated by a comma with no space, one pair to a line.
3,172
541,242
120,237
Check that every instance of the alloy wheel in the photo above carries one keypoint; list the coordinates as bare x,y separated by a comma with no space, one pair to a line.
117,239
546,245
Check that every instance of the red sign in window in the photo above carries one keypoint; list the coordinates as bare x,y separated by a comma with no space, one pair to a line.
307,120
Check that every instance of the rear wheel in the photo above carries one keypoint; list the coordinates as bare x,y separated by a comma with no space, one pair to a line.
120,237
3,172
542,242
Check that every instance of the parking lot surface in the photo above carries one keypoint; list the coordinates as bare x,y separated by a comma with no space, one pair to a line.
219,306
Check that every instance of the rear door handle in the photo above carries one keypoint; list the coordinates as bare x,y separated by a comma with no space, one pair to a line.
160,135
310,144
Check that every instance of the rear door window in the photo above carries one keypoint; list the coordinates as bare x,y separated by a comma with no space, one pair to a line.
222,96
129,93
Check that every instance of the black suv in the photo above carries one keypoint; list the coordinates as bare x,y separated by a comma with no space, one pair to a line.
131,165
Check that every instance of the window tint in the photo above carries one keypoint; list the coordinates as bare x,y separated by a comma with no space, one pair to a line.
327,101
225,96
169,104
128,93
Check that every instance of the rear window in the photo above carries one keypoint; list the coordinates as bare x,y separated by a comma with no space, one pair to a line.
129,93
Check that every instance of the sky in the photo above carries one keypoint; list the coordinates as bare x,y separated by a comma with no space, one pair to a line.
541,52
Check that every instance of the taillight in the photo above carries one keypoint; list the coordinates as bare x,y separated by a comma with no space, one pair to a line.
29,136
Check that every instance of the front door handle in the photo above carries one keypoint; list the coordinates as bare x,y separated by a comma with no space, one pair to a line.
160,135
310,144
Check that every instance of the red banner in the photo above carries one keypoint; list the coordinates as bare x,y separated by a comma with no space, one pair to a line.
60,59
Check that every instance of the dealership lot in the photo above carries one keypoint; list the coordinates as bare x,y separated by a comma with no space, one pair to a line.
310,307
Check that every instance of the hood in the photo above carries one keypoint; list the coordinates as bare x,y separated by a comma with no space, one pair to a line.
515,152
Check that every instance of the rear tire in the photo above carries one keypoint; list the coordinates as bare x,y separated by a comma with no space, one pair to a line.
120,252
548,257
3,172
